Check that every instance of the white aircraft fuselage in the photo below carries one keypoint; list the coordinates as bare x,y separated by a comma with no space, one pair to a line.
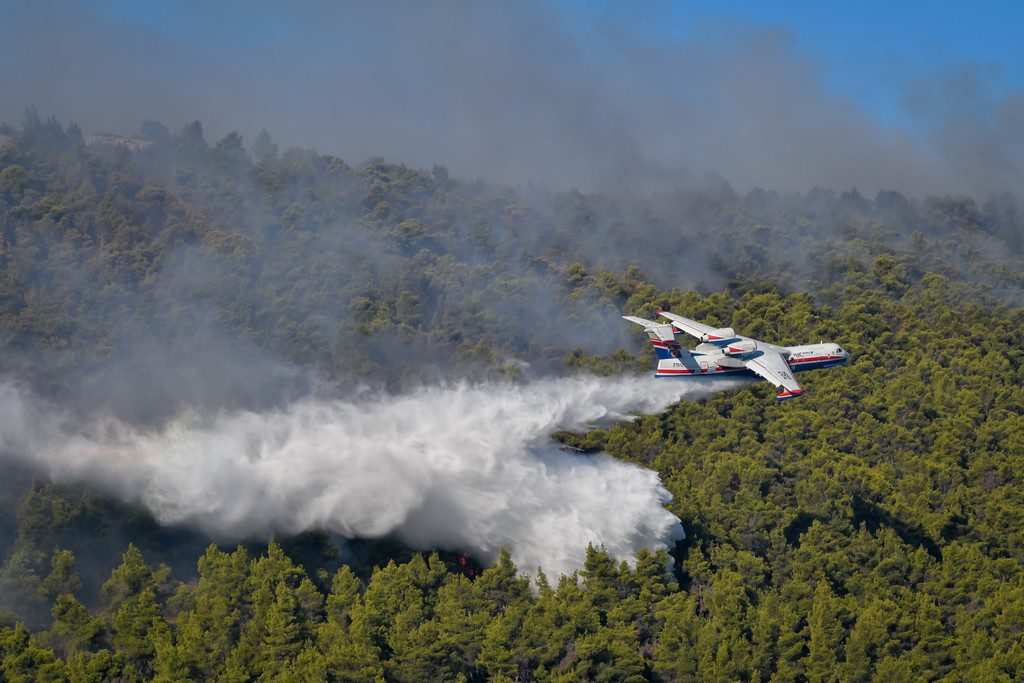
712,361
723,353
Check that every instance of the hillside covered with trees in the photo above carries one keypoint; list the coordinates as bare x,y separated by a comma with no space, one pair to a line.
870,530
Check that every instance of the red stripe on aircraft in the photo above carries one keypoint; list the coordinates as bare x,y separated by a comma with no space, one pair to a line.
812,359
790,394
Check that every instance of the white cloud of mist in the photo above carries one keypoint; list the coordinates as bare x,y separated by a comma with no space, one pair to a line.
467,467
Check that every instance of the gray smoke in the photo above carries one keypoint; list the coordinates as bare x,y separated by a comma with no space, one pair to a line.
524,91
467,467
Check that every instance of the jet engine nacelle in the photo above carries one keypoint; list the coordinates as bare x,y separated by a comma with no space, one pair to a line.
721,334
739,348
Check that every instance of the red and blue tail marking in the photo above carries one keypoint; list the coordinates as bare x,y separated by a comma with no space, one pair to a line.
665,349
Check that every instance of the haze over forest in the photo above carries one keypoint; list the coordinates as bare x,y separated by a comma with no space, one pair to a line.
558,94
373,362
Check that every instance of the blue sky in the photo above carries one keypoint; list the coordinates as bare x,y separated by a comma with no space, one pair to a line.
868,50
871,49
927,97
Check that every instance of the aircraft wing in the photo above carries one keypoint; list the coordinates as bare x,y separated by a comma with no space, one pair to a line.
691,327
774,368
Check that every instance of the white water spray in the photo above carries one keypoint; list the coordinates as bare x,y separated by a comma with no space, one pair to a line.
466,467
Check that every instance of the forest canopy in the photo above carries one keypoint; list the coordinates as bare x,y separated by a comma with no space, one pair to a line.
871,529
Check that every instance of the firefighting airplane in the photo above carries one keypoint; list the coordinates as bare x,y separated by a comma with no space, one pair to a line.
723,353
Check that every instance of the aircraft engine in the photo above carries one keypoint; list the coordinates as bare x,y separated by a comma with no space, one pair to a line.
740,347
721,334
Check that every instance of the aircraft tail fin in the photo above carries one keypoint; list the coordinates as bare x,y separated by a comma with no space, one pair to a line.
662,336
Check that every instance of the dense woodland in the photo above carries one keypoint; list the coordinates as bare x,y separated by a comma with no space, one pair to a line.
871,529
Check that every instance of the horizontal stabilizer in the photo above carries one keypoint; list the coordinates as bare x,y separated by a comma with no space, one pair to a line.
662,337
641,321
691,327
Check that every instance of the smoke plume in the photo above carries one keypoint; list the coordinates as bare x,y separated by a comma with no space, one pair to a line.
521,92
467,467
